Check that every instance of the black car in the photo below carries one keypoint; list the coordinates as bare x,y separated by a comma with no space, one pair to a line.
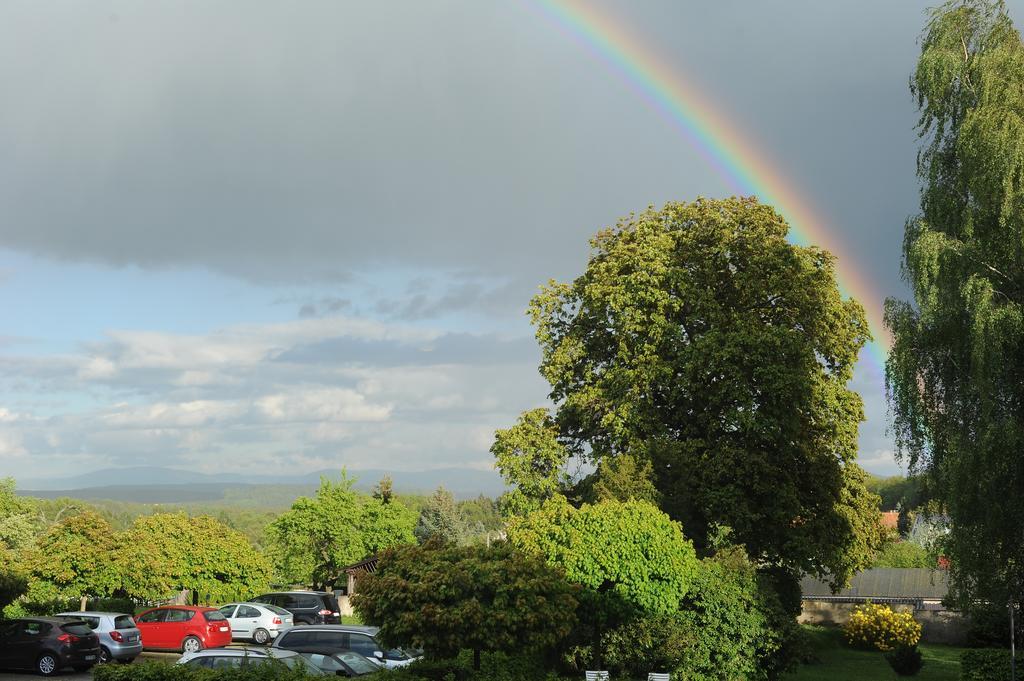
306,607
47,645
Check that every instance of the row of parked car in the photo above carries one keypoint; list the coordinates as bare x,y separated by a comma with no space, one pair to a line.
302,627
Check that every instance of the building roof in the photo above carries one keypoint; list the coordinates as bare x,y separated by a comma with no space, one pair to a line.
367,565
879,583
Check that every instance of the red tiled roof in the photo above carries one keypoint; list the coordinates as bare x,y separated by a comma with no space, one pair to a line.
890,519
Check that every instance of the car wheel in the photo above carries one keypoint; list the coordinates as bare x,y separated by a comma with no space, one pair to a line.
191,644
104,655
46,665
300,623
261,636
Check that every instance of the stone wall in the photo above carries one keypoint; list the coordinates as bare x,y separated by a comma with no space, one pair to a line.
938,625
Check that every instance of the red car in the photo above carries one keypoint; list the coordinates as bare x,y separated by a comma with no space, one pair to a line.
186,628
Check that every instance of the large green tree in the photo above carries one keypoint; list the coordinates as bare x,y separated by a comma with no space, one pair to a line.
444,599
955,374
701,341
164,553
313,541
78,556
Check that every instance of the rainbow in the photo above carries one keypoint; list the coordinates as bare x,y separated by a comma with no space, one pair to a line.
735,158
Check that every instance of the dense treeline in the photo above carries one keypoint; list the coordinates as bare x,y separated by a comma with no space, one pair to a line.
53,552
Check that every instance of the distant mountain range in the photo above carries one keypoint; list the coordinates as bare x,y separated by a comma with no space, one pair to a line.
155,484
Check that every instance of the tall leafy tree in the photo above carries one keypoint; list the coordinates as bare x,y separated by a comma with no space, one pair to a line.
955,374
164,553
313,541
78,556
444,599
700,340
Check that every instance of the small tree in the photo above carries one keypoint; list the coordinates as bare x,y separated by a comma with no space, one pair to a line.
532,459
441,519
444,599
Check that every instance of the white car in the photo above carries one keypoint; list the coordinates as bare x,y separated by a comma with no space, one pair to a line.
256,622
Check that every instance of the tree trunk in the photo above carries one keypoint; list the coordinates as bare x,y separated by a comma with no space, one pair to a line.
84,602
476,659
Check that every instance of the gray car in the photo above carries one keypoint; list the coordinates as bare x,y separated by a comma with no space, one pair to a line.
119,637
337,638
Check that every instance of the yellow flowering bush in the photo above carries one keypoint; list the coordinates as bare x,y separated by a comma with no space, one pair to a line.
879,626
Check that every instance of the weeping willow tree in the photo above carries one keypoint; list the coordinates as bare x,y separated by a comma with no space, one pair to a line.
955,376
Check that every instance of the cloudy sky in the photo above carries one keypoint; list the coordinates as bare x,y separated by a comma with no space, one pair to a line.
293,235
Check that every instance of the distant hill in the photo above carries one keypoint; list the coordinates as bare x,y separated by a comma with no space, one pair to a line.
157,485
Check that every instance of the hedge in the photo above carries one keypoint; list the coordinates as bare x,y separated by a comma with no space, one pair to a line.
161,671
988,664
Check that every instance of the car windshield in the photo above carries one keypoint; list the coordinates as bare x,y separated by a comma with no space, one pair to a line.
214,616
124,622
358,663
302,662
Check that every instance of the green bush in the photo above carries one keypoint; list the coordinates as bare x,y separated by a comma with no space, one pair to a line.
161,671
905,660
493,667
655,643
725,613
988,664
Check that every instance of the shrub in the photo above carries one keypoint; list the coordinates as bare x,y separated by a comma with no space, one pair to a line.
160,671
651,643
905,660
880,627
987,664
726,615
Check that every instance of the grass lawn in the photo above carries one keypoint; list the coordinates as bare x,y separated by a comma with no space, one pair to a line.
840,663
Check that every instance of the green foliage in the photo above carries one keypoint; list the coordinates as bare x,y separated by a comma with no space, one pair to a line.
167,552
898,492
988,664
619,478
494,666
161,671
904,554
532,460
701,340
954,375
78,556
313,541
905,660
731,629
13,582
658,643
631,549
441,519
444,598
18,521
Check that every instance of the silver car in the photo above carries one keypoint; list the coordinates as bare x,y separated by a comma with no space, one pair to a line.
258,622
119,638
245,656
